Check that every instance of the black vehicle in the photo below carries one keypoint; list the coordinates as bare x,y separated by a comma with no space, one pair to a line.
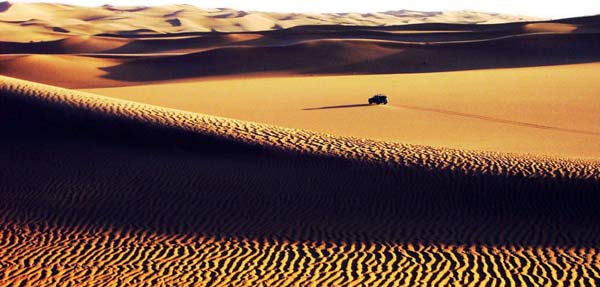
378,99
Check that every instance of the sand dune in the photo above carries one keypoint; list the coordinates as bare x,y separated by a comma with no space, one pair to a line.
258,134
41,19
366,57
63,70
105,191
110,45
303,51
289,59
119,59
495,110
70,45
235,148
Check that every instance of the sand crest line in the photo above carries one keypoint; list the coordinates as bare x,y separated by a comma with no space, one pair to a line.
302,141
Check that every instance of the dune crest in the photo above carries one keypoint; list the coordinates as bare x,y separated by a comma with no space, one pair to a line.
287,139
130,59
79,20
103,191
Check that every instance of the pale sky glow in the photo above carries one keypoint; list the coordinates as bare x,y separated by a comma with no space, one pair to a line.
539,8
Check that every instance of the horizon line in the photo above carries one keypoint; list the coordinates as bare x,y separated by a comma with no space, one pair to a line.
300,11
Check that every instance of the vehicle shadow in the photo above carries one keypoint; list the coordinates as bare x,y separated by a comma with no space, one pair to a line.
337,107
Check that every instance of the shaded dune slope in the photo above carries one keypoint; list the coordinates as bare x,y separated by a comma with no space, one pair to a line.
235,56
367,57
100,191
418,33
124,60
287,182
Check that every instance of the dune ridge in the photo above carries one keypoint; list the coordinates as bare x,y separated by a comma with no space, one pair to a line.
305,142
366,57
54,20
110,60
100,191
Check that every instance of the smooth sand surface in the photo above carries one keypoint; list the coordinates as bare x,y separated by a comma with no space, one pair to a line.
540,110
63,69
99,191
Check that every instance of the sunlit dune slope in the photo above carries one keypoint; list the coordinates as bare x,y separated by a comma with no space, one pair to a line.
101,191
259,134
99,45
48,21
117,62
61,70
536,110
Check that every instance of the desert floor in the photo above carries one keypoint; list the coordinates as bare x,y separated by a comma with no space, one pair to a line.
140,147
536,110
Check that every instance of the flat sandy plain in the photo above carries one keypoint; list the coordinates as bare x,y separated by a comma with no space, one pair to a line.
235,149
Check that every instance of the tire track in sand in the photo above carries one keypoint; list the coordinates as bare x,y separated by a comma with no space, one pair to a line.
490,119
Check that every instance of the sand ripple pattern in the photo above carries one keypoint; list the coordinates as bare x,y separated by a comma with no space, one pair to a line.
288,208
287,139
88,257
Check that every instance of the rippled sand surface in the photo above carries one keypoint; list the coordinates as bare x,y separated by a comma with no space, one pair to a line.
100,191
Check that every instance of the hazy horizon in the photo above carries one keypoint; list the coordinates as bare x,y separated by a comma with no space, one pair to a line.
514,7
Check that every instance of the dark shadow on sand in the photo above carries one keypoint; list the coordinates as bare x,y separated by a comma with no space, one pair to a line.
337,107
336,58
76,168
4,6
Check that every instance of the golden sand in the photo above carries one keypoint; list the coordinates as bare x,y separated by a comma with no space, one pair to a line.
496,110
50,21
178,198
217,148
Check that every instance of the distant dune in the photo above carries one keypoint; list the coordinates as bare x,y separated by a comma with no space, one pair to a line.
111,190
543,109
117,60
46,21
